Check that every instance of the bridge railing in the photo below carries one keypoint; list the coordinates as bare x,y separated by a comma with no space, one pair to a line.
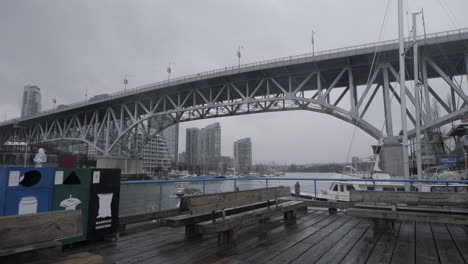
203,75
141,197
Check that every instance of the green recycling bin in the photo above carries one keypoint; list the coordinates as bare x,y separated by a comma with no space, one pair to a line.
71,192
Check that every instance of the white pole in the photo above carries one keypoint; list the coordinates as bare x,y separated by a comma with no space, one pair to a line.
404,127
417,84
239,55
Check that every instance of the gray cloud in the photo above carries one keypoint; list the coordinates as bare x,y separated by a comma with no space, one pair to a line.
66,46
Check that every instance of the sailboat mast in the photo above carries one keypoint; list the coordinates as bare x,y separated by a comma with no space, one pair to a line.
404,127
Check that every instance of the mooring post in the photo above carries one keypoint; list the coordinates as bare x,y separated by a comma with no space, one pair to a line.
160,195
297,190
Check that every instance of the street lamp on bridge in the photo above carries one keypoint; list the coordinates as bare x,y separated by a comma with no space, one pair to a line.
313,43
169,70
239,54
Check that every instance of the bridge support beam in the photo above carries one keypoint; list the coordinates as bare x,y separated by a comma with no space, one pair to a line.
391,160
426,90
387,106
466,66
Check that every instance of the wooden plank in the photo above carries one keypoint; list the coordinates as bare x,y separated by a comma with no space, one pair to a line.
460,237
191,251
404,249
81,258
426,252
313,254
137,246
275,241
446,248
382,252
136,252
363,248
233,221
299,247
32,228
210,202
31,252
324,204
409,216
269,233
187,219
420,198
133,219
339,251
249,236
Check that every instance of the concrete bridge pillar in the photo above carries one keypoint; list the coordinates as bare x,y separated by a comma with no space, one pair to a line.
391,160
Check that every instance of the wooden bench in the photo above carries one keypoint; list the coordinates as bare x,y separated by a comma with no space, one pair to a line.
32,237
435,207
224,213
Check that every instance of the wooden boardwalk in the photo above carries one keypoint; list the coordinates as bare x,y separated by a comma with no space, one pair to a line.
317,237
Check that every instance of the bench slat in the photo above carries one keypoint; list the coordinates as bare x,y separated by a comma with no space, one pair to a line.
210,202
231,222
188,219
422,208
409,216
28,229
420,198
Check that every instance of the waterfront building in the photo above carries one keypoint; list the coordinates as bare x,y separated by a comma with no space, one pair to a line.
171,135
182,156
203,148
225,164
243,155
156,155
211,146
192,148
31,100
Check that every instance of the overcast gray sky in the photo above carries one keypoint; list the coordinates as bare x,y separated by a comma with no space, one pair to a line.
65,46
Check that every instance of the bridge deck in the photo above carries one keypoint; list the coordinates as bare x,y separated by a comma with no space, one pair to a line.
317,237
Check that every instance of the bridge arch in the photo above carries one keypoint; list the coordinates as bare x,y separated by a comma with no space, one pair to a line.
301,104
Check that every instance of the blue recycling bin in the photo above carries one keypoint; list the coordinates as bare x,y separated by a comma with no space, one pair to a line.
26,190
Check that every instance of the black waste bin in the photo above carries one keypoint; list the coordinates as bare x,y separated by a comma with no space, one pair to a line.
103,214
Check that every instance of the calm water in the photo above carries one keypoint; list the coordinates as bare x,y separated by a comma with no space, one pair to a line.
145,198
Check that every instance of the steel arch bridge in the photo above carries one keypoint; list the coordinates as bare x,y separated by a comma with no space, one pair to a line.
342,83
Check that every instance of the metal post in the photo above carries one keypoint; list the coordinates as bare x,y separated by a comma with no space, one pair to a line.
418,102
404,127
315,189
204,186
266,183
235,185
160,195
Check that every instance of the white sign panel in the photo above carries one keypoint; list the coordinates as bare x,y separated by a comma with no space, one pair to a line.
96,176
58,177
14,178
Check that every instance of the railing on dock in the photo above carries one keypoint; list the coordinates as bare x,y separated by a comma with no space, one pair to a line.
141,197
